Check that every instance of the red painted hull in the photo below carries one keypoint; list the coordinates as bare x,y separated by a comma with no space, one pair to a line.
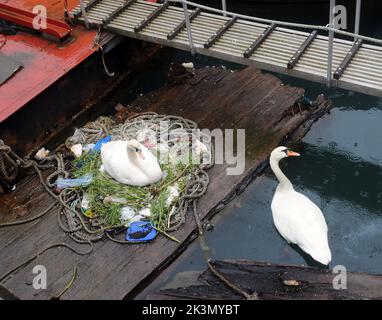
44,61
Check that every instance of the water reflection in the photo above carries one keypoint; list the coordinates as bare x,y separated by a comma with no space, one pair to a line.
333,173
365,235
340,172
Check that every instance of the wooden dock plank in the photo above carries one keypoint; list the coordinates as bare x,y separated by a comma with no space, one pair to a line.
26,201
270,281
215,98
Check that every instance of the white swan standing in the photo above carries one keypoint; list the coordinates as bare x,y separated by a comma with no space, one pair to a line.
295,216
130,163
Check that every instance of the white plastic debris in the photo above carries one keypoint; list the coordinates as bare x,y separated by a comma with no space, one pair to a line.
41,154
111,199
188,65
101,168
77,150
127,213
136,218
141,136
85,202
82,181
145,212
160,150
77,137
173,194
147,137
200,147
88,147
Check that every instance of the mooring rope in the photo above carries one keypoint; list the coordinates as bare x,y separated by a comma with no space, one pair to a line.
20,222
69,285
87,231
130,129
34,257
70,218
97,45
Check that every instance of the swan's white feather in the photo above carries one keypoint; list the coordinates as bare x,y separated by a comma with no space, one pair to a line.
128,168
301,222
296,217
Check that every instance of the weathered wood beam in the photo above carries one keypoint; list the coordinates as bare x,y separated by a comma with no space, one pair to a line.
196,97
272,281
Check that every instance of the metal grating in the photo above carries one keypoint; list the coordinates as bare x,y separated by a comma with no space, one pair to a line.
270,48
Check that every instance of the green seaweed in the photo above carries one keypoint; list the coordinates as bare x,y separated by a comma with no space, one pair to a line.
137,198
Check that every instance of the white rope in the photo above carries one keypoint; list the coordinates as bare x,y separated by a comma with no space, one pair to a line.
110,74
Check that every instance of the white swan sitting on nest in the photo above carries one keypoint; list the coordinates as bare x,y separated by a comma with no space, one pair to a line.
130,163
295,216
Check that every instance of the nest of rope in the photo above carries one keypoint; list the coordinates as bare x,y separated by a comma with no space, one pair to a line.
95,210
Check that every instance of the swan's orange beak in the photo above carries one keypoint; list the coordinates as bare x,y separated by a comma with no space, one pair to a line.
140,154
291,153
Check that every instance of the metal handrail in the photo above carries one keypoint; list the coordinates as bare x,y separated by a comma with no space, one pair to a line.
328,28
330,44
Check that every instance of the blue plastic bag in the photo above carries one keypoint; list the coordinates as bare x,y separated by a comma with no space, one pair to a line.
82,181
98,145
141,231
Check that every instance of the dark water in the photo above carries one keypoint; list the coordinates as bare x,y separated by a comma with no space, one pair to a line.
340,169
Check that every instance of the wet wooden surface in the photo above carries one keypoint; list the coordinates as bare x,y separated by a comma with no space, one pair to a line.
271,281
215,98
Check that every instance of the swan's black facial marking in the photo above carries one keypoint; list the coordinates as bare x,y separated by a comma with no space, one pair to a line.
286,151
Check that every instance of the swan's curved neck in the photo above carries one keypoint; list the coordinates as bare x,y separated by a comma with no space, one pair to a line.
133,157
284,181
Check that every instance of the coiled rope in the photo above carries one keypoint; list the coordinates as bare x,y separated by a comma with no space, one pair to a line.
87,231
135,125
71,219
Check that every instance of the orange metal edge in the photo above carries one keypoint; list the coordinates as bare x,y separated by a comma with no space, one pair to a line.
25,18
44,61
